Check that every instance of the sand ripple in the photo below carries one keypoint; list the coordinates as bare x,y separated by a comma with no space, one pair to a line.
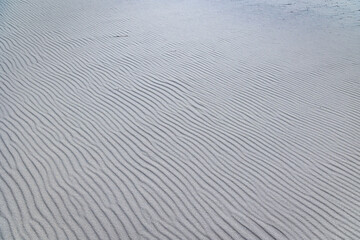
178,120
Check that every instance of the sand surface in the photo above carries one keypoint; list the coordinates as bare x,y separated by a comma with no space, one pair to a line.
180,119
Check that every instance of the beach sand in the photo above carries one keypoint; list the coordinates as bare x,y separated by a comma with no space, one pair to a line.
180,119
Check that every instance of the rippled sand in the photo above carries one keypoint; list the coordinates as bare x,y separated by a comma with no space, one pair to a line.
179,119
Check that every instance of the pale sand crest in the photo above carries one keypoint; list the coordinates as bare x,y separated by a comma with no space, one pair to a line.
179,119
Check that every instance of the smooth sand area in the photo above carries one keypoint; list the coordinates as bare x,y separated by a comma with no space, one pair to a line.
180,119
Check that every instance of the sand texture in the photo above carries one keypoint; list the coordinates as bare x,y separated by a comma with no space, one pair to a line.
179,119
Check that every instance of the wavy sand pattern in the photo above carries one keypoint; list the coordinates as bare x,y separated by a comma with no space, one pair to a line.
179,119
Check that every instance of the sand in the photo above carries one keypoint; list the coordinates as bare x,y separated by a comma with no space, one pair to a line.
191,119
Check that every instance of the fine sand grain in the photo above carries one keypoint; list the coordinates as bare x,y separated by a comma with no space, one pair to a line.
180,119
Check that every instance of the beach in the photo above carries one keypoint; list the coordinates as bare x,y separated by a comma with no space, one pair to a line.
180,119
